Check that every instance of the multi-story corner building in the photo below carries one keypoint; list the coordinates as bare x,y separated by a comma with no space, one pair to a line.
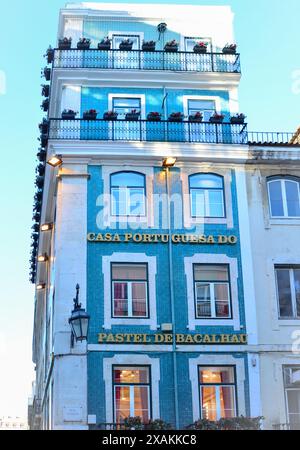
188,269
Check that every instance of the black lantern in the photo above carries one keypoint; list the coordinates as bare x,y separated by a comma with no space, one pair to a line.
79,320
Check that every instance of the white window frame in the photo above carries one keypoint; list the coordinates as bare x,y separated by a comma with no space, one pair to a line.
131,359
127,33
127,191
142,98
207,201
291,269
131,258
105,219
129,299
212,299
218,259
190,221
218,360
131,395
218,397
284,197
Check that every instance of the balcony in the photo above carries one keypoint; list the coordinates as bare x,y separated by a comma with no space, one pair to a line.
141,60
287,426
145,130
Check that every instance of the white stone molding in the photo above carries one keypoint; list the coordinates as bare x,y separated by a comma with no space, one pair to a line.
200,258
106,270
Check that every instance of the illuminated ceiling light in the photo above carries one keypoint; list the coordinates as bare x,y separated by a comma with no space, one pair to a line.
46,226
43,258
169,162
40,286
55,161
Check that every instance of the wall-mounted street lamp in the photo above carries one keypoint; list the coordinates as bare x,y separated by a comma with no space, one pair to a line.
40,286
43,257
79,320
170,161
46,226
55,161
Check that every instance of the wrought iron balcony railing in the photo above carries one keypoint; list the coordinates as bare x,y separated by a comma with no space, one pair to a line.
273,138
141,60
145,130
286,426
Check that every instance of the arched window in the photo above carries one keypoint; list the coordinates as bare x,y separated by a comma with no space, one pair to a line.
284,197
207,195
127,191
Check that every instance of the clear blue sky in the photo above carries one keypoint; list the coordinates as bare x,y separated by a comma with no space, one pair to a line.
267,32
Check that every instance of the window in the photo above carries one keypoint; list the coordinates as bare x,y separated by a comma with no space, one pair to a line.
284,197
217,392
291,376
125,105
118,38
190,42
206,195
212,291
288,291
127,194
207,107
131,387
129,290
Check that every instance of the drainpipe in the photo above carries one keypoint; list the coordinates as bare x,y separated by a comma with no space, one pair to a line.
174,349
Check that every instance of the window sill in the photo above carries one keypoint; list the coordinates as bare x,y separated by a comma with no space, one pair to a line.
289,322
285,221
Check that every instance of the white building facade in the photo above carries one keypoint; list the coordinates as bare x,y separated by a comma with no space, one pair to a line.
190,272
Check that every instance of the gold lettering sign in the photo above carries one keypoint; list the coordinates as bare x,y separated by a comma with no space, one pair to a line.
146,238
167,338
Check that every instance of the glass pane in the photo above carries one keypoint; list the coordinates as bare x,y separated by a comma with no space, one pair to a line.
216,208
122,403
276,198
137,202
208,403
129,271
216,375
227,401
221,292
118,200
203,300
210,272
127,179
293,403
131,375
297,289
139,299
200,105
141,402
284,293
206,180
198,203
292,198
120,299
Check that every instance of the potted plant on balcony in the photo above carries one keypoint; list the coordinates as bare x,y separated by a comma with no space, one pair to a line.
44,126
91,114
132,115
171,46
126,44
216,118
176,117
197,117
154,116
45,90
68,114
104,44
230,49
200,47
148,46
45,105
49,54
46,73
238,119
110,115
83,44
64,43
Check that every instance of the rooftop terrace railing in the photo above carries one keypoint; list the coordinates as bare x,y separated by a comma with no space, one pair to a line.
272,138
143,60
145,130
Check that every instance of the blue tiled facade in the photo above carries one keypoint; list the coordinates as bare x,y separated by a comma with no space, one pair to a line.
95,299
